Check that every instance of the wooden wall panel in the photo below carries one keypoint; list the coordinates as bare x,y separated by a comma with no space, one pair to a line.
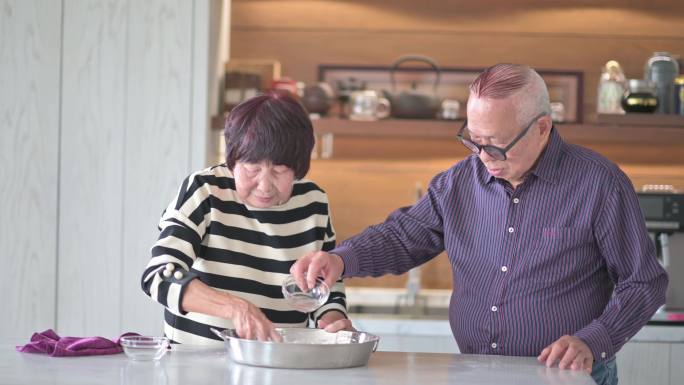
558,34
91,168
377,148
158,140
566,35
29,130
604,17
363,192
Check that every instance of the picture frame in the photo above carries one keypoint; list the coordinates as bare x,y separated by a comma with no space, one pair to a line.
268,70
566,87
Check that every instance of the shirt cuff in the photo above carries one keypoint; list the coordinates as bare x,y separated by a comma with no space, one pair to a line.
595,335
351,264
177,280
326,309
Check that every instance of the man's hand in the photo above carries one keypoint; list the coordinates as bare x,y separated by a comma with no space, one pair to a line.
317,264
570,353
334,321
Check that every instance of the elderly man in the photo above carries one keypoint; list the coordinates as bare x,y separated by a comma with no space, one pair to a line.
548,247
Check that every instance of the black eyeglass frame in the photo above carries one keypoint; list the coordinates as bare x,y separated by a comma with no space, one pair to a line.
495,152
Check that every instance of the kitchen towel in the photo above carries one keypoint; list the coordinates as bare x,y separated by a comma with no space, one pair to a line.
48,342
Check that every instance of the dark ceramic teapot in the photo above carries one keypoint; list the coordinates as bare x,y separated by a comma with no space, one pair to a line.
414,104
318,98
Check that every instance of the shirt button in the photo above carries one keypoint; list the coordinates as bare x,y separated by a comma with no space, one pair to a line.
167,273
603,354
493,345
178,275
504,269
516,200
510,230
494,308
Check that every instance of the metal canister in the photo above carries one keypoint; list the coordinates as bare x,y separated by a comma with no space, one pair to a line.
679,95
662,68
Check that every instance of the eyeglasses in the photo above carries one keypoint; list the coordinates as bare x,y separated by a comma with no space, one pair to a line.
495,152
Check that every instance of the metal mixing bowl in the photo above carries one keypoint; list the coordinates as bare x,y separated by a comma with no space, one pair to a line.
302,348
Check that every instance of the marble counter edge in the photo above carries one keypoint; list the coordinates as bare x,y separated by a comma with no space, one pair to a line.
396,326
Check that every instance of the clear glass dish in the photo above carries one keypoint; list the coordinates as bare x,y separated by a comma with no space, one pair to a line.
305,301
144,348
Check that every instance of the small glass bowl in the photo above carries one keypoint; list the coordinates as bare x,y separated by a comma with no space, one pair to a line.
143,348
305,301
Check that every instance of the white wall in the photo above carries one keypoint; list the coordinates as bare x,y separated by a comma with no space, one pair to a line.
104,109
30,39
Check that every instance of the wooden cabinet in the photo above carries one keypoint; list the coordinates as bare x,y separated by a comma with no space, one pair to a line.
652,363
642,363
677,364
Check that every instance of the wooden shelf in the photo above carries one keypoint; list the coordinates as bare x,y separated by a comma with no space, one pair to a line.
623,141
635,119
394,128
630,128
447,130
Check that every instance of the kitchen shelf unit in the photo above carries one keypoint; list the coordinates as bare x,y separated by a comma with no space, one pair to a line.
627,140
631,138
621,130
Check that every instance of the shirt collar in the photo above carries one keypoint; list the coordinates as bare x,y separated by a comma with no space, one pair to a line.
546,166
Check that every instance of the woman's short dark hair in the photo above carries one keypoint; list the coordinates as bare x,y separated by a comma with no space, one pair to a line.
272,126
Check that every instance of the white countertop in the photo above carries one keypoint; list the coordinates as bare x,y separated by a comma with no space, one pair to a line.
214,367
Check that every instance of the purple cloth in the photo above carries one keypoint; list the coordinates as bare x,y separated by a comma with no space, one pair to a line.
48,342
566,252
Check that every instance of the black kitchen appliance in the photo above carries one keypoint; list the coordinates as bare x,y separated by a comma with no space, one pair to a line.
664,215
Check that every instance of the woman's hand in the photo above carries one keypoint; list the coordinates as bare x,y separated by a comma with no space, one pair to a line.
250,322
334,321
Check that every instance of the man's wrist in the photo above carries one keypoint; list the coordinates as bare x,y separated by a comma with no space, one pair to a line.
350,265
597,339
340,262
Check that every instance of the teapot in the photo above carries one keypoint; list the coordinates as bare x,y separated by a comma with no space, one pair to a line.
317,98
414,104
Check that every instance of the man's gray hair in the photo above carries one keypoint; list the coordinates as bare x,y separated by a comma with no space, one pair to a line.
516,81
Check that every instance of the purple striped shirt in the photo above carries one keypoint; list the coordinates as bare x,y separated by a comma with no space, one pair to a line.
566,252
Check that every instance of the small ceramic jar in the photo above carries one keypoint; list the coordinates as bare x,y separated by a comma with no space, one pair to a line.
640,96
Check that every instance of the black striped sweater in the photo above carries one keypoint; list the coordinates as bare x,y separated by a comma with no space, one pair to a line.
236,249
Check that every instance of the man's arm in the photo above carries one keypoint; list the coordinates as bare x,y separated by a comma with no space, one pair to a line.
409,237
640,281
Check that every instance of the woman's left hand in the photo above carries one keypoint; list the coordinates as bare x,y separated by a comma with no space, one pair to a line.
334,321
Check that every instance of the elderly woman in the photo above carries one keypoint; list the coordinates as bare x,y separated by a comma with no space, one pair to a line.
229,238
